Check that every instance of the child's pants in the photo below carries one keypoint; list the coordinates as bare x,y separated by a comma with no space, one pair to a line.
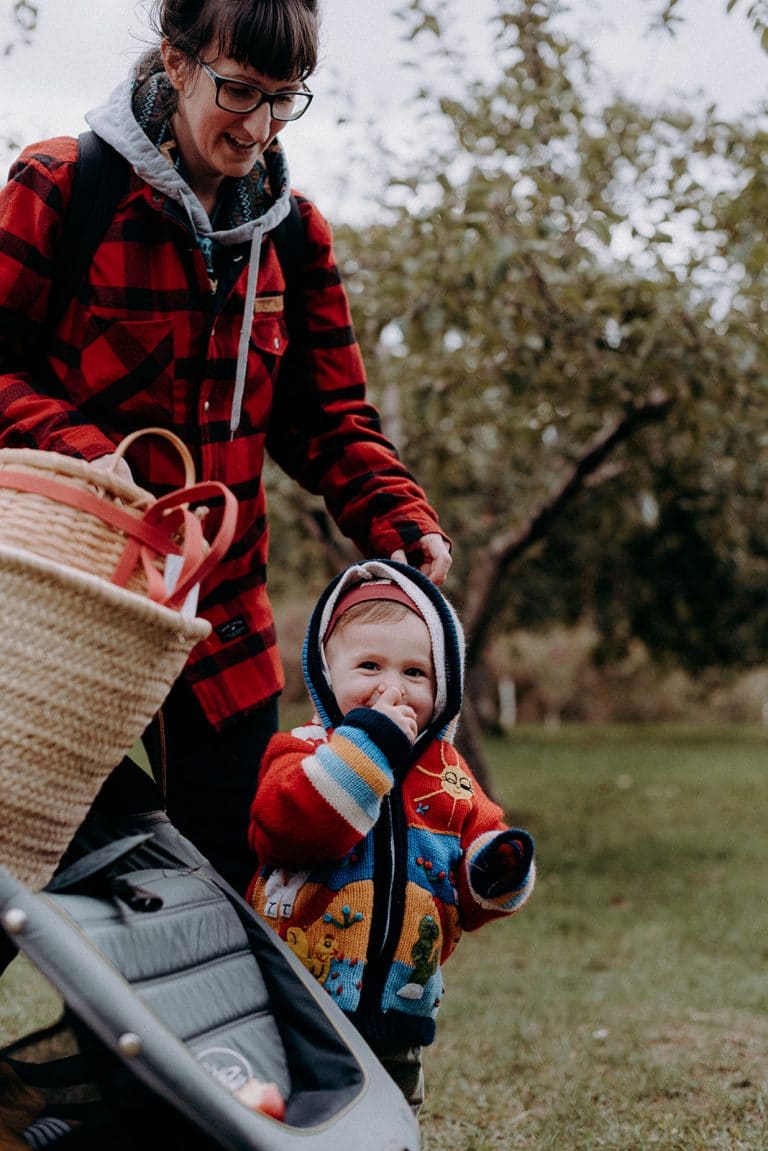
403,1064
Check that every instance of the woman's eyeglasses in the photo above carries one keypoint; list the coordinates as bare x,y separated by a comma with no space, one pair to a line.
241,97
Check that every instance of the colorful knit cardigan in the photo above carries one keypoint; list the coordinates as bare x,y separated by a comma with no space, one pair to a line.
369,880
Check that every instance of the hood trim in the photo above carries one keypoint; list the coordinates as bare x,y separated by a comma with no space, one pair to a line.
444,628
115,122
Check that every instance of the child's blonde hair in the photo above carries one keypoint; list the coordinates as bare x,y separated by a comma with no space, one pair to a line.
371,611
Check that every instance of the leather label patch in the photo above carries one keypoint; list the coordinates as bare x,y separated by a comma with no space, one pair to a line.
268,305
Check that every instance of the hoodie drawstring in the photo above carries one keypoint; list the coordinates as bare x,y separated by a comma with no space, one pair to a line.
245,331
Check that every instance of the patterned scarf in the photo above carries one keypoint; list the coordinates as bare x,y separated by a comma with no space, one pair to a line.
241,200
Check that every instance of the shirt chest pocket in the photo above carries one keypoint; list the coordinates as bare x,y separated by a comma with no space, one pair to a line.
127,366
269,341
267,346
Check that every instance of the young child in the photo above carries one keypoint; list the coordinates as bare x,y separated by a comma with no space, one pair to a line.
376,846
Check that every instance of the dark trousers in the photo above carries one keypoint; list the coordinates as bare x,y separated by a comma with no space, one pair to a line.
404,1065
210,778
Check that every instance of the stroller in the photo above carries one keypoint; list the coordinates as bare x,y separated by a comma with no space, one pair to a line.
176,994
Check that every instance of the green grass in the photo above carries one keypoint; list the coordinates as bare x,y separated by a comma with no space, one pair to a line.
626,1007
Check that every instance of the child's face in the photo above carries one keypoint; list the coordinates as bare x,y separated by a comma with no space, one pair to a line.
367,659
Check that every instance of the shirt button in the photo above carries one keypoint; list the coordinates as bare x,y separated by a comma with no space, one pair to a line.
207,406
277,342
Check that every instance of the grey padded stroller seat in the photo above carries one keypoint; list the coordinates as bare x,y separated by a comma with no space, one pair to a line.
178,992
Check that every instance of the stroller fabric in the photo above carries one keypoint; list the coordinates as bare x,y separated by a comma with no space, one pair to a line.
177,993
202,983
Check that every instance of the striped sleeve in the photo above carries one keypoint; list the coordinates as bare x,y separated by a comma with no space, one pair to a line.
317,798
353,775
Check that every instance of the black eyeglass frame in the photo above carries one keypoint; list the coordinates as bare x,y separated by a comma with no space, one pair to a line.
264,97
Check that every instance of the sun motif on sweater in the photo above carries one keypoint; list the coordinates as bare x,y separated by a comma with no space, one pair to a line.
453,781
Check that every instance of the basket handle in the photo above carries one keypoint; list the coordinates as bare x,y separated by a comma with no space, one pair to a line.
169,515
181,447
208,553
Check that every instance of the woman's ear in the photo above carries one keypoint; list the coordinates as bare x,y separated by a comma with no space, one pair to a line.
176,65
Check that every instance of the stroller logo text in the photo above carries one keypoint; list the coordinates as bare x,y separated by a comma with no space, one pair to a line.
230,1068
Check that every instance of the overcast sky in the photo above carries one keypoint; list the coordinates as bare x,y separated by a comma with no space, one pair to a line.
82,49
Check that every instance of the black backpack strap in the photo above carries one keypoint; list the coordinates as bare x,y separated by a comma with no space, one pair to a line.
290,245
100,179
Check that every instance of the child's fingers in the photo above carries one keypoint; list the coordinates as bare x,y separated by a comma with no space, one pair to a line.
388,696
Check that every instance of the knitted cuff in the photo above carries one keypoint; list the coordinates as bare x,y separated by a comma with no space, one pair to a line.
502,866
388,737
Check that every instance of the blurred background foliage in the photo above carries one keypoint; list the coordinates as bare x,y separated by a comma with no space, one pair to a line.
543,261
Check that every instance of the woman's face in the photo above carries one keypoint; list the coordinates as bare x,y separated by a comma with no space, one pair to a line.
215,143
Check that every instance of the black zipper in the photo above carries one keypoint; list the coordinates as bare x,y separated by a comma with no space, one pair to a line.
390,865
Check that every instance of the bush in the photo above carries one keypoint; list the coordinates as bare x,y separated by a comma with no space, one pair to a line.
552,676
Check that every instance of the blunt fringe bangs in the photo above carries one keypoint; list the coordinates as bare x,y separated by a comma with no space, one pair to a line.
276,37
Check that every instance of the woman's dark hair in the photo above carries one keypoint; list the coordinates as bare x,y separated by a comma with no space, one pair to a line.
276,37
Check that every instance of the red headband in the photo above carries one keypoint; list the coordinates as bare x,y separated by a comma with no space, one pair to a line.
366,591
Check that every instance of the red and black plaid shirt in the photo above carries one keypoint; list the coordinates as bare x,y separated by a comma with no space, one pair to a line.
150,341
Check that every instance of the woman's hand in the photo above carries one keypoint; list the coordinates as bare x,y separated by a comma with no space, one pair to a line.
112,463
434,554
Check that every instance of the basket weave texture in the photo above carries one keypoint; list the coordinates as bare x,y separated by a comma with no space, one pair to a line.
57,531
84,666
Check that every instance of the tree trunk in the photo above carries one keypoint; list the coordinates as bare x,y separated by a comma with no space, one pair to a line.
481,602
485,580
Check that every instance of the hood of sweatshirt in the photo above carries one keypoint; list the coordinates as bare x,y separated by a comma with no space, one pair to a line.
131,123
445,631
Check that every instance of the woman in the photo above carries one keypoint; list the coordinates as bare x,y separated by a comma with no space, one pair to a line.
181,322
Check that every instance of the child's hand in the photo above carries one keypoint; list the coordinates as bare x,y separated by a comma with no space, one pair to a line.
503,865
389,701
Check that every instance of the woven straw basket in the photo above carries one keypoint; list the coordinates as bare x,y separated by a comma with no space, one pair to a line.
85,664
38,520
83,668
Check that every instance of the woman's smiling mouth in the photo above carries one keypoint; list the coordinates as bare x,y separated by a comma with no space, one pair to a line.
240,145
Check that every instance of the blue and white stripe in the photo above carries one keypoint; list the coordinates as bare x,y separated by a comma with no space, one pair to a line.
352,775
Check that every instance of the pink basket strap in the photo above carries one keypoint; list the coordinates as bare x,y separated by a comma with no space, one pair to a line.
152,533
199,555
131,524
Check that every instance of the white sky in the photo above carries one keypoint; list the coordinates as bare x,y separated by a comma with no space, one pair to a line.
83,48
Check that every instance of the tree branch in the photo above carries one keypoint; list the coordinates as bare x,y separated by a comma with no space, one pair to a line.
479,607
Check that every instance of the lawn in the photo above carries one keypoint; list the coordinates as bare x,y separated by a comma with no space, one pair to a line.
626,1007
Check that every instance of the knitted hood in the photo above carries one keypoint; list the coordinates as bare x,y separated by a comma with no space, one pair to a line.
444,629
133,123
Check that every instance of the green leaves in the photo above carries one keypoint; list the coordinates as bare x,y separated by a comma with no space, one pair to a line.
557,259
756,12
